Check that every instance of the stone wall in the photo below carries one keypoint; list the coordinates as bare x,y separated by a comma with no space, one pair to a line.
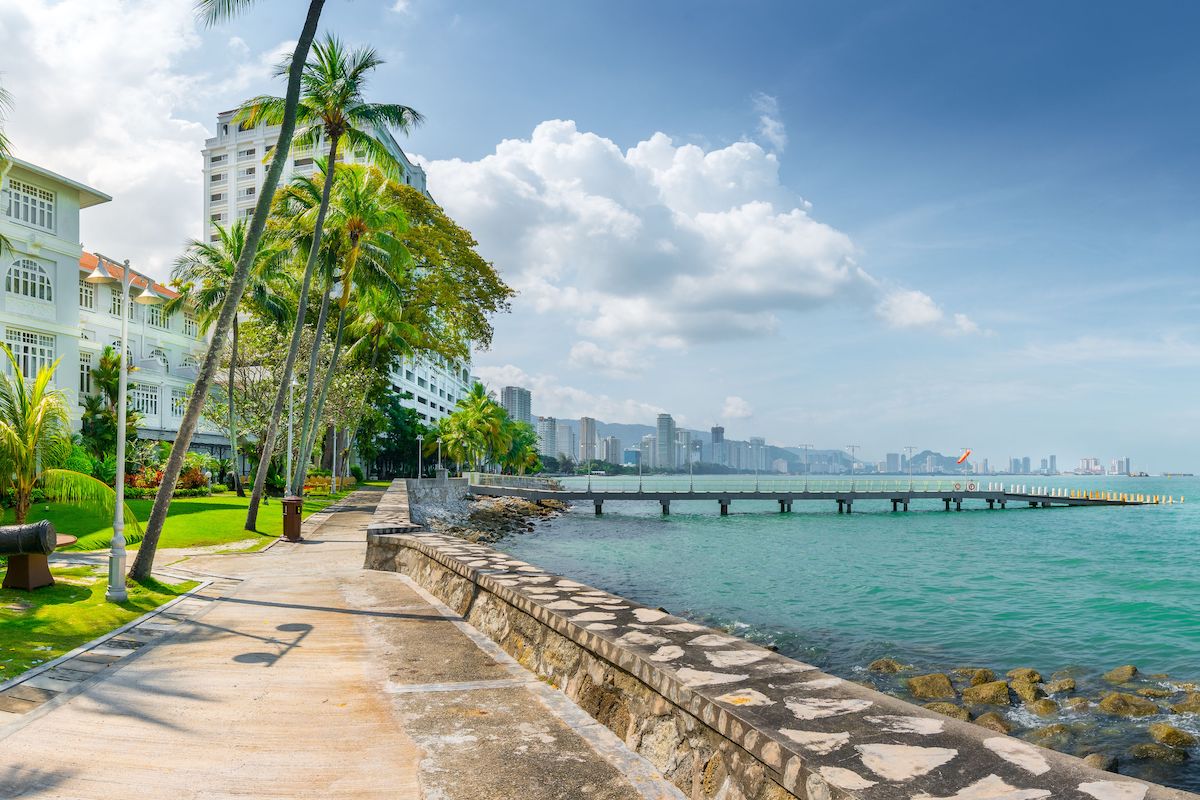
721,718
439,497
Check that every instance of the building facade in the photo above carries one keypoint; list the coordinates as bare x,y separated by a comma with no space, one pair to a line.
665,436
516,400
610,450
431,384
587,439
547,433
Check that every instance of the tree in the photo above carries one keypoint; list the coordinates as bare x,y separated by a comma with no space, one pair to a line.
35,433
5,147
203,275
98,429
212,11
333,108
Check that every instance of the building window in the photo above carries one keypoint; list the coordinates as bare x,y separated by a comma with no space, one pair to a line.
34,351
114,307
248,172
144,399
28,278
179,400
85,375
218,159
31,205
155,317
303,162
116,346
216,198
190,360
217,217
87,295
217,177
247,153
249,191
159,356
190,328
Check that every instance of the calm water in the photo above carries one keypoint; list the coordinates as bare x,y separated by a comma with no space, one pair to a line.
1077,589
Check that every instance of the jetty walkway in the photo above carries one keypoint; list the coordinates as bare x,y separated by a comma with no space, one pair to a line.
786,491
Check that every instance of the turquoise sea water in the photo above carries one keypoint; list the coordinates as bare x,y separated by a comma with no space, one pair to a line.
1060,589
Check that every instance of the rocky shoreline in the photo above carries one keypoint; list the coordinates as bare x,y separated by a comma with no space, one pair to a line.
487,520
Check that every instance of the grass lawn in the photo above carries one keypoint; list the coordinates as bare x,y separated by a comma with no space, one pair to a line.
191,521
38,626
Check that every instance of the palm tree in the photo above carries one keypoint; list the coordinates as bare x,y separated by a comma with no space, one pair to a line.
5,147
98,429
331,109
213,11
203,275
35,430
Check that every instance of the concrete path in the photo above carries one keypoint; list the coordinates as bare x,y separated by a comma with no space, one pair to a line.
308,677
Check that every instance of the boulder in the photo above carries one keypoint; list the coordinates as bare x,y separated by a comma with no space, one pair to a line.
1060,686
1044,707
1101,761
1056,736
1158,752
1078,703
888,666
993,721
1163,733
1189,705
934,686
1026,690
1127,705
1025,674
1121,674
982,676
993,693
950,710
1159,694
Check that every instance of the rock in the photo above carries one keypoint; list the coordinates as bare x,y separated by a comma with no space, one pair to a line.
994,693
888,666
1127,705
931,687
993,721
1044,707
1189,705
1025,674
1055,737
1156,693
1168,734
1158,752
982,676
1078,703
1060,686
1026,690
1121,674
1101,761
950,710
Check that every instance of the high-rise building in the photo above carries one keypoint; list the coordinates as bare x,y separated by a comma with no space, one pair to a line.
631,457
984,469
568,442
665,458
547,433
1025,465
1045,466
649,449
758,453
610,450
587,439
1053,465
718,444
516,401
893,462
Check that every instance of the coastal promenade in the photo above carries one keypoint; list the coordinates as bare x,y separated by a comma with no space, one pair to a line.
294,673
786,491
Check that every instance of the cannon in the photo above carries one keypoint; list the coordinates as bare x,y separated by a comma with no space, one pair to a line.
28,548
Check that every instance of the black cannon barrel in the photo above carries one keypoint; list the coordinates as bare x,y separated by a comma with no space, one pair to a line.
35,538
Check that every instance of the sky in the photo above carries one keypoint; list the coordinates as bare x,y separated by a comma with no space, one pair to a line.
937,224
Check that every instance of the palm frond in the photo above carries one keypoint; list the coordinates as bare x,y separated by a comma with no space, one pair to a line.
214,11
67,486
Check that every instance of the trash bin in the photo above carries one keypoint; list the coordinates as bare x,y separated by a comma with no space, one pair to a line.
291,517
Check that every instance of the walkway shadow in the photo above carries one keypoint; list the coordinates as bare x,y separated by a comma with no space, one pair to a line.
301,629
117,695
432,617
20,780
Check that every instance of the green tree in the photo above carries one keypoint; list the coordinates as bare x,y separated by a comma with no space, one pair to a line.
203,275
5,147
213,11
98,429
331,108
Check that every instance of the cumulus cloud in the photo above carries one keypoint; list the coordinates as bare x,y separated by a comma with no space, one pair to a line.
554,399
616,362
736,408
909,308
770,125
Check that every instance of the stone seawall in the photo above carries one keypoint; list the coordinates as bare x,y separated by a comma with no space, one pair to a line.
720,717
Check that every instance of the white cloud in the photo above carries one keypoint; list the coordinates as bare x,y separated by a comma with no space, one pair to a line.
736,408
770,125
909,308
552,398
616,362
402,6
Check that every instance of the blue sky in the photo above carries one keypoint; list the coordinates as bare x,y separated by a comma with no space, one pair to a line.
928,223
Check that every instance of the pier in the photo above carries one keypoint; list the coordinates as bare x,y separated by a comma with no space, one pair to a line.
787,491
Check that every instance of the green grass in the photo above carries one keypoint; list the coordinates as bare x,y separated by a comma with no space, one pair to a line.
191,521
38,626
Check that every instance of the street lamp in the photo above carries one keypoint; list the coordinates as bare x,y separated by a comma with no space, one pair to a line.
439,444
910,450
291,412
146,296
420,452
806,447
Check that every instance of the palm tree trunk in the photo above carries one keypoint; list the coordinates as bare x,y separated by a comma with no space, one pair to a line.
296,479
187,427
310,440
260,476
237,479
370,369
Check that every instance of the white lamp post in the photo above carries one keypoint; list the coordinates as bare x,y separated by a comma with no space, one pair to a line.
439,443
420,452
291,412
144,296
806,470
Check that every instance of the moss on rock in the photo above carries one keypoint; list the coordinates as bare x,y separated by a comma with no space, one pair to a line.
1060,686
1026,690
1025,674
993,721
993,693
950,710
1189,705
934,686
1127,705
1158,752
1165,733
888,666
1122,674
1044,707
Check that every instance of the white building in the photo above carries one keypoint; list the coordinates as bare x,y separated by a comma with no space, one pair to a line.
48,312
235,165
517,401
547,433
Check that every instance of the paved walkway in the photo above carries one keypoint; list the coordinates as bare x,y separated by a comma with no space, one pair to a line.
304,676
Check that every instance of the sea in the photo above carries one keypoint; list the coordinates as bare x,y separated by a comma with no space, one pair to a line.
1069,591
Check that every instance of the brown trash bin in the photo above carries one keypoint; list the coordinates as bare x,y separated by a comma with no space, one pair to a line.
292,517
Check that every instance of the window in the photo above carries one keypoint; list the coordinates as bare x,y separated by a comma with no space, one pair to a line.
31,204
156,318
216,198
248,192
85,375
217,177
214,237
34,351
87,295
247,153
190,328
245,126
248,172
190,360
246,213
303,162
144,399
218,159
28,278
116,346
160,356
179,400
114,307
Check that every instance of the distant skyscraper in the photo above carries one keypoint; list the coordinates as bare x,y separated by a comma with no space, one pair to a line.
893,462
1025,465
568,443
665,458
649,448
1053,465
984,468
1045,467
547,432
631,457
610,450
587,439
758,453
718,445
516,401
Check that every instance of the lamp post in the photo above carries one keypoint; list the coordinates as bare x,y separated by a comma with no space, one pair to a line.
291,412
100,276
806,447
439,444
420,452
910,450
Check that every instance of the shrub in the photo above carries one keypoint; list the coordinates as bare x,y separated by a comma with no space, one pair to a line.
79,461
192,478
105,470
320,473
357,472
217,488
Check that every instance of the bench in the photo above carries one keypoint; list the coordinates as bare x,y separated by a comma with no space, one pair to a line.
28,548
